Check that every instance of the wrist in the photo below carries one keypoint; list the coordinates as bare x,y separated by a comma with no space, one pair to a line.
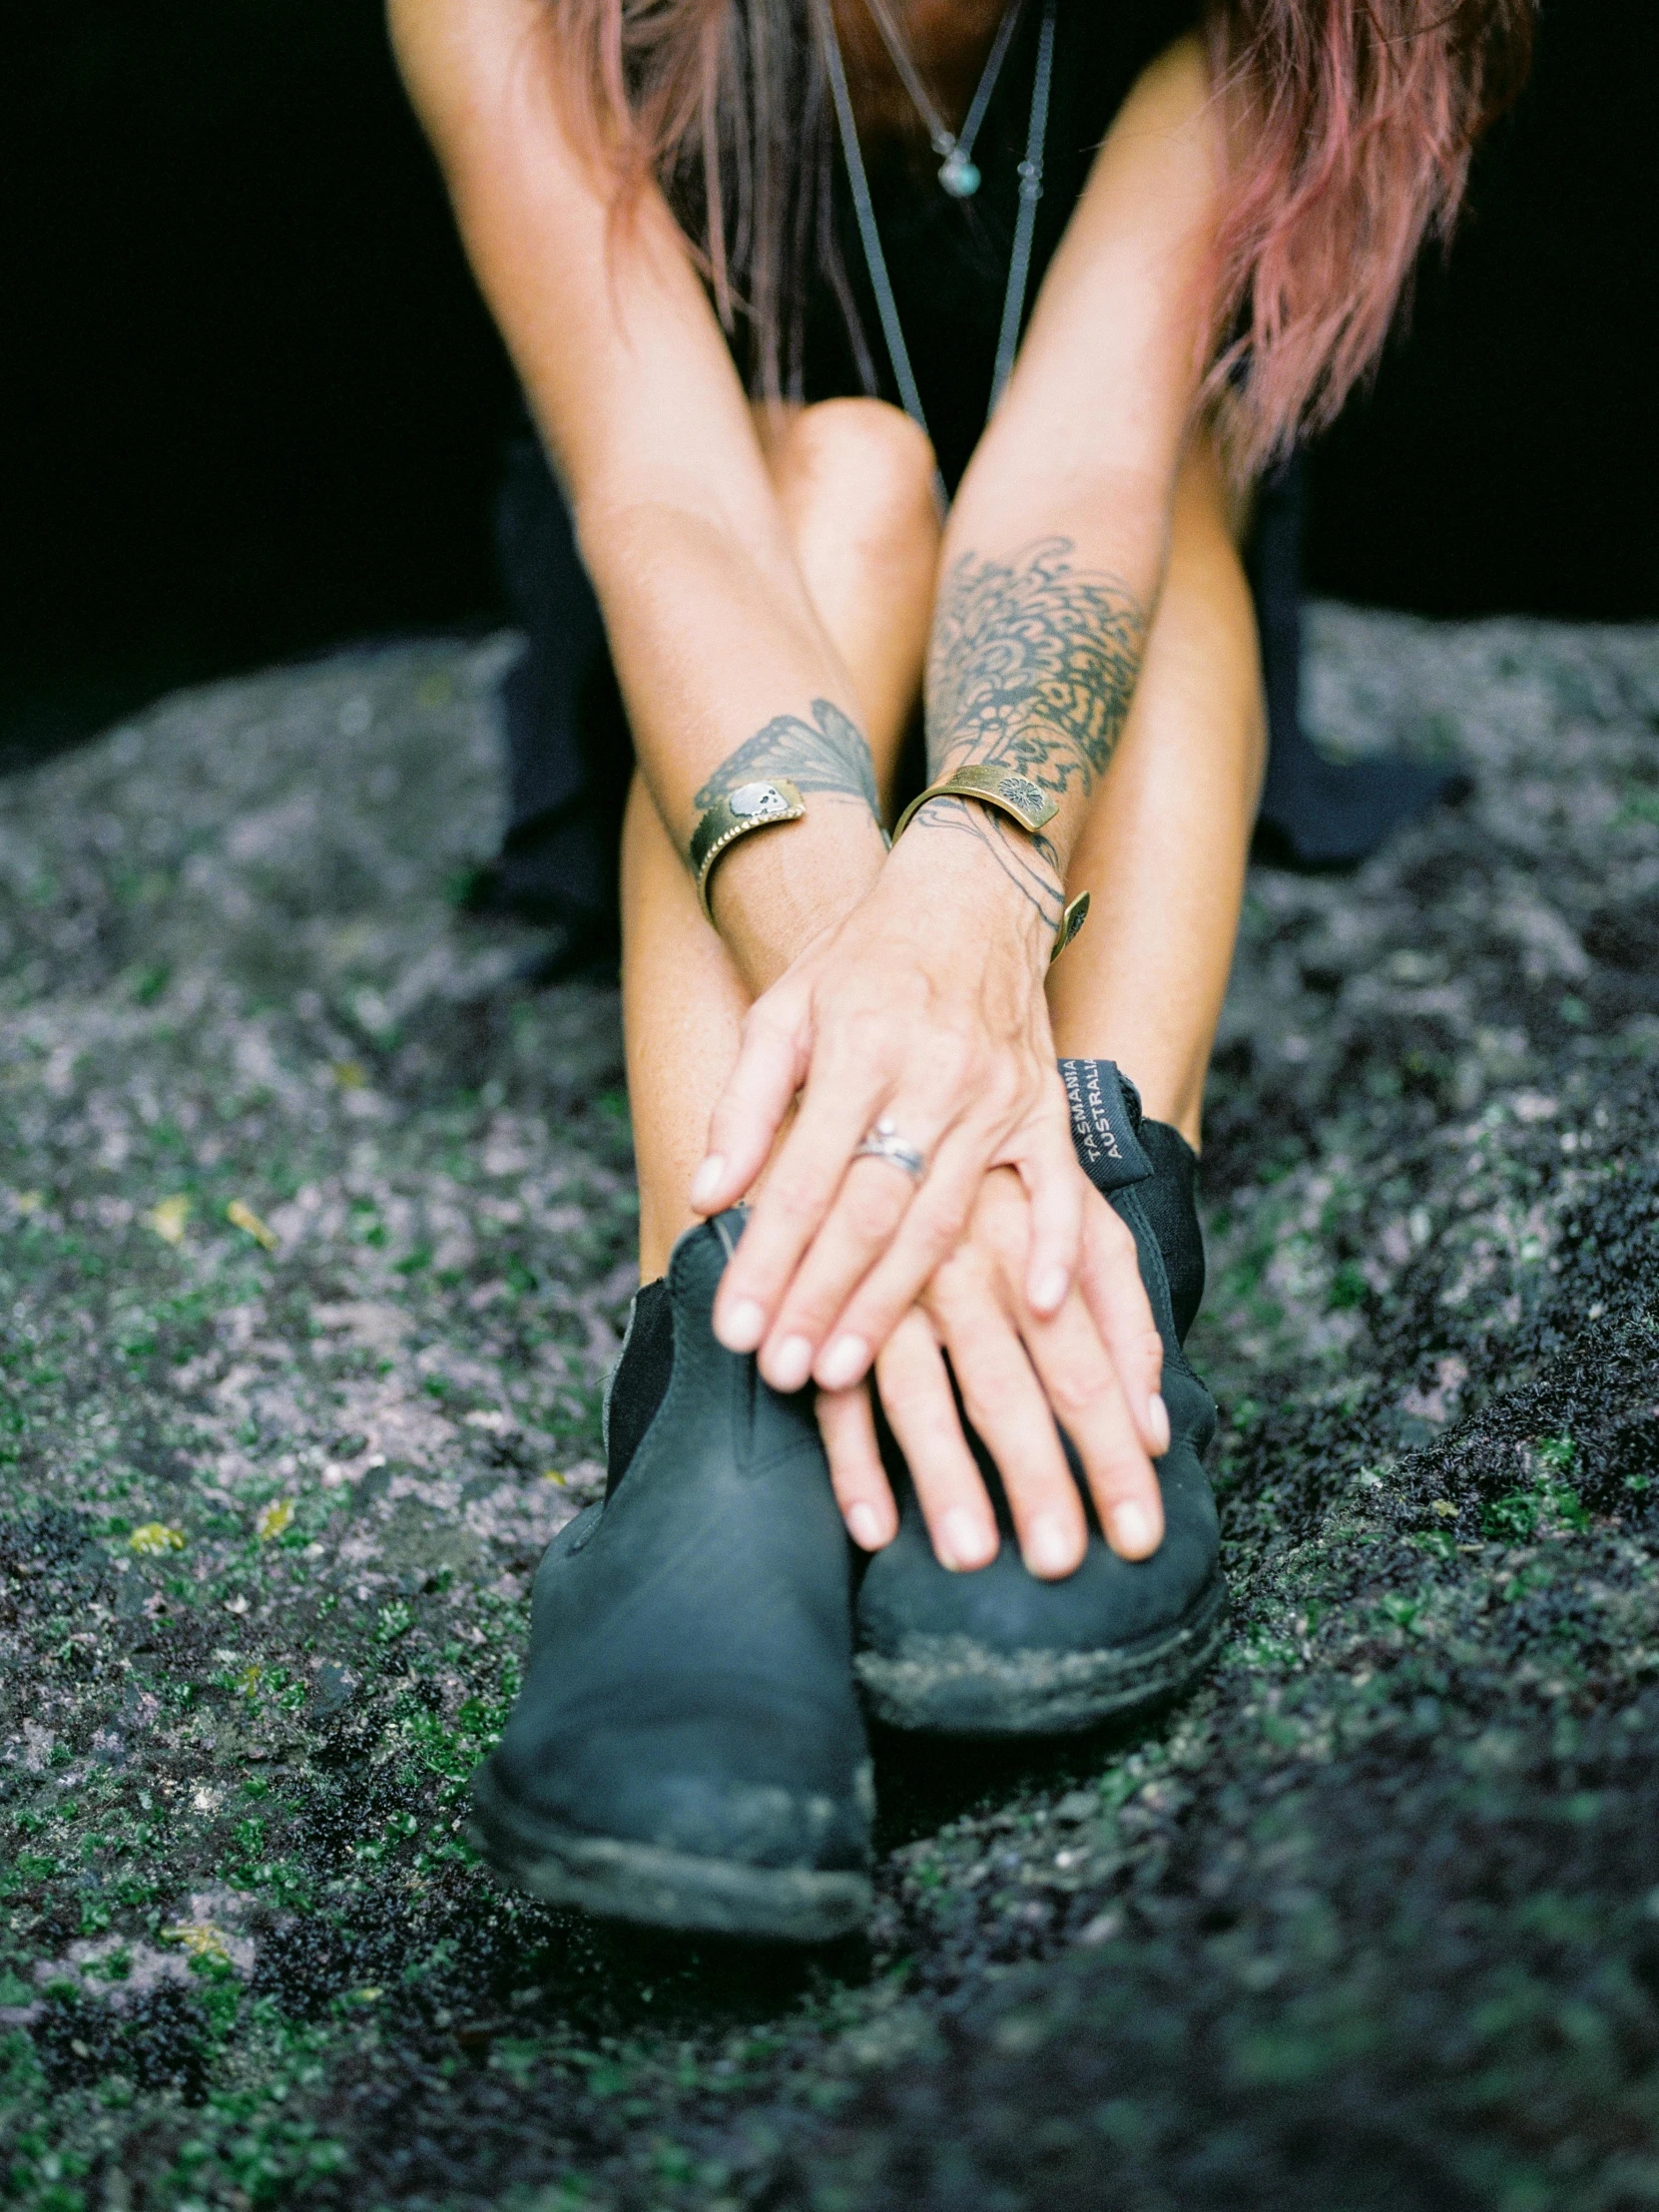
774,893
958,858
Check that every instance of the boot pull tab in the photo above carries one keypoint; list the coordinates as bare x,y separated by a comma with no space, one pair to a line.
729,1227
1105,1124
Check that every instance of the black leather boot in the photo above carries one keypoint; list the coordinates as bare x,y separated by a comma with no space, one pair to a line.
998,1652
688,1748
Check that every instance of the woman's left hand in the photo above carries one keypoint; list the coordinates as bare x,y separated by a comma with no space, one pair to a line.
924,1006
1094,1367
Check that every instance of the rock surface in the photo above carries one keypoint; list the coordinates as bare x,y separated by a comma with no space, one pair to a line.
316,1238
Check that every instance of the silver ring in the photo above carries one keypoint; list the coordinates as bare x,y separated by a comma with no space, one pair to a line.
882,1141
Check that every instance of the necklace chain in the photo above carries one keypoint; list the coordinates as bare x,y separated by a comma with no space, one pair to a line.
957,174
1019,261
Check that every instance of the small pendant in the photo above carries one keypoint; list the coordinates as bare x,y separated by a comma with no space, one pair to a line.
959,176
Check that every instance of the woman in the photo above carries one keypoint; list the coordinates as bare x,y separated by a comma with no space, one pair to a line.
1107,255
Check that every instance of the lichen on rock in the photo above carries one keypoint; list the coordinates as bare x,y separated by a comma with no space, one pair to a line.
1373,1918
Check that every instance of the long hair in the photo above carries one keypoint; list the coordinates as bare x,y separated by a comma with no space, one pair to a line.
1349,126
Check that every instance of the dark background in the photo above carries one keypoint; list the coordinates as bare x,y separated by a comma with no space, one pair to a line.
251,406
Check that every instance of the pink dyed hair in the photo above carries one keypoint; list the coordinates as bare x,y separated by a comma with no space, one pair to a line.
1349,126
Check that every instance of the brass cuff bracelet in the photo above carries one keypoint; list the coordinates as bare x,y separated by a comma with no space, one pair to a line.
1003,789
747,807
1024,802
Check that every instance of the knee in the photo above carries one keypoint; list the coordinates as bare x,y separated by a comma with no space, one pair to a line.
866,462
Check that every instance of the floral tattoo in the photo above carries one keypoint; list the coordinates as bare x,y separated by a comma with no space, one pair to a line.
1032,666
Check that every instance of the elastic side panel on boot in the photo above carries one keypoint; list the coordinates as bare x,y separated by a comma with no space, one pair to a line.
641,1380
1169,1198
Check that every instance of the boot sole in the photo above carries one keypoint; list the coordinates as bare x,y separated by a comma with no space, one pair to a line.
618,1879
954,1686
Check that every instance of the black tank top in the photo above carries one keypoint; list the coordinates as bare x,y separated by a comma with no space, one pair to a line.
949,258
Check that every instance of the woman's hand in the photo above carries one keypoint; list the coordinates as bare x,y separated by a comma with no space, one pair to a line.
1094,1367
926,1006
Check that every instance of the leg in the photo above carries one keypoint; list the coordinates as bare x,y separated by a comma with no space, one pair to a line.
855,480
1162,855
566,740
1164,851
679,1753
1318,814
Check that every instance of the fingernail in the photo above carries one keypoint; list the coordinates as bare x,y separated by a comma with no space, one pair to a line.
1132,1532
965,1543
742,1327
791,1364
708,1180
866,1524
1157,1414
1050,1550
843,1363
1050,1293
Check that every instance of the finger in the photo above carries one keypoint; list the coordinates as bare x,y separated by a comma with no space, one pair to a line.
1005,1404
1086,1394
857,1475
1110,1280
836,1109
770,1068
860,1223
916,1399
1145,1394
932,1226
1056,1187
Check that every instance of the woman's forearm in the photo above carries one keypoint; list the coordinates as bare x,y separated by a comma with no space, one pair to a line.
1038,633
726,672
1055,552
728,680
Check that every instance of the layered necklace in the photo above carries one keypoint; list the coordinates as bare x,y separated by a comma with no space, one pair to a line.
956,150
957,174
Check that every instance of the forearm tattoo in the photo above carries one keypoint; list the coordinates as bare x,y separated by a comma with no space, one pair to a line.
1032,666
827,755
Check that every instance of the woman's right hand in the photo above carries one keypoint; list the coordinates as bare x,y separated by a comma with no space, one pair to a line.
1094,1367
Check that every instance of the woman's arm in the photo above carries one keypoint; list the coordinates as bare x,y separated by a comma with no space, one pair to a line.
1054,553
725,670
1051,568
